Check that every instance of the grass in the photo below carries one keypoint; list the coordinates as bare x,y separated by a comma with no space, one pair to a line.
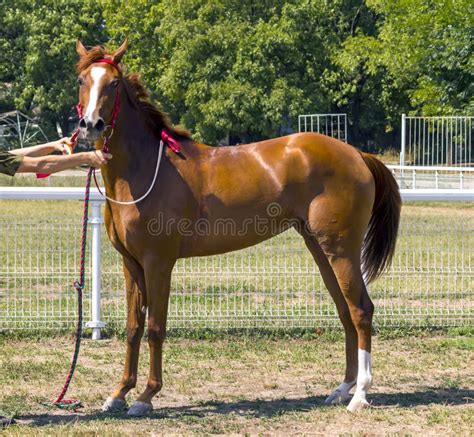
423,384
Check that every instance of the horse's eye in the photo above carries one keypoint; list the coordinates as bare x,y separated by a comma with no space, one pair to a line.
114,83
80,81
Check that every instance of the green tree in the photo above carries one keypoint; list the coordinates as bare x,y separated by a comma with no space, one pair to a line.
13,23
353,83
228,67
40,38
246,69
139,20
427,48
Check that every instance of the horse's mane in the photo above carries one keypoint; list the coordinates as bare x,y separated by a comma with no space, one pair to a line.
138,94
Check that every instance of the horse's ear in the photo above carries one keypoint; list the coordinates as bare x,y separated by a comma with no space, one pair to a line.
118,54
80,49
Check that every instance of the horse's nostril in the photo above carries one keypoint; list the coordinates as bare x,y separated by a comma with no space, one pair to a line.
87,123
100,125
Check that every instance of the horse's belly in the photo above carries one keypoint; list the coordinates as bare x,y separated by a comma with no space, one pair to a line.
220,236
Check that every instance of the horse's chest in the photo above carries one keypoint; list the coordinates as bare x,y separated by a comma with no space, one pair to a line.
123,230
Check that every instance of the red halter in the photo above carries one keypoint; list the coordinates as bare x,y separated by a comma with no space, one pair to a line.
110,62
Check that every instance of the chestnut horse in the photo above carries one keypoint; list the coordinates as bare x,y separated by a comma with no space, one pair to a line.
344,203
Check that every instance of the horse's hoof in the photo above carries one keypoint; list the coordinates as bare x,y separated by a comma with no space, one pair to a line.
341,394
114,404
338,396
140,409
357,404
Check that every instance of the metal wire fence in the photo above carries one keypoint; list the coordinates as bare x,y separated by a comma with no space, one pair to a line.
273,285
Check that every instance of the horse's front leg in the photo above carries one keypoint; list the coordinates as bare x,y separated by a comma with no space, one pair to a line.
158,279
135,288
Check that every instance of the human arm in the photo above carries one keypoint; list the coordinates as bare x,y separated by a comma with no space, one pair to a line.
45,149
53,164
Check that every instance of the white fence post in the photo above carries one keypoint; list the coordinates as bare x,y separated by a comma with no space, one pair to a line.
346,139
402,149
96,223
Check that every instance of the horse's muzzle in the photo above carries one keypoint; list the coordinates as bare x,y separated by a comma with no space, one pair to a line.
91,130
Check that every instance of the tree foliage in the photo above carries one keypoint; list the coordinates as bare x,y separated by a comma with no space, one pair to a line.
245,69
38,53
427,48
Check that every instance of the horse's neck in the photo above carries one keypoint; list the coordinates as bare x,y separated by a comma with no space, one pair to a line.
134,148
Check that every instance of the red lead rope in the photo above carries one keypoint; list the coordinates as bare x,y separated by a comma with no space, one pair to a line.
79,286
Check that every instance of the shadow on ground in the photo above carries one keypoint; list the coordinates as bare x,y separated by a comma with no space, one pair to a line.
263,408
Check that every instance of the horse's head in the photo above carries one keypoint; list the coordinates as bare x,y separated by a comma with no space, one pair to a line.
99,82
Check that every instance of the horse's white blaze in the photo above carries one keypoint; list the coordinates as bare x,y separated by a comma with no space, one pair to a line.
96,75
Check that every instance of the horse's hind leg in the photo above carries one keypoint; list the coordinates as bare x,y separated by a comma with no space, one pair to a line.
338,223
135,288
341,393
349,276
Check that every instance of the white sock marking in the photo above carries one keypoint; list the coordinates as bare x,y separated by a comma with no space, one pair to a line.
364,374
364,381
96,75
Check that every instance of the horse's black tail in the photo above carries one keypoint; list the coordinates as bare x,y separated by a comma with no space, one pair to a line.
381,236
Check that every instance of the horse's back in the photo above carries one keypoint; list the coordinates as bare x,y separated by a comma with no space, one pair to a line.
309,160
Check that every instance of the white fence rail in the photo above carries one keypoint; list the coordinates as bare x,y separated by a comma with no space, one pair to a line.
273,285
428,177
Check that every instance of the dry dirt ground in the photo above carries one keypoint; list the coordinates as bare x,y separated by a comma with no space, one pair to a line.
423,384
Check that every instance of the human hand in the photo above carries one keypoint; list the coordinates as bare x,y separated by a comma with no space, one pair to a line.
64,146
97,158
